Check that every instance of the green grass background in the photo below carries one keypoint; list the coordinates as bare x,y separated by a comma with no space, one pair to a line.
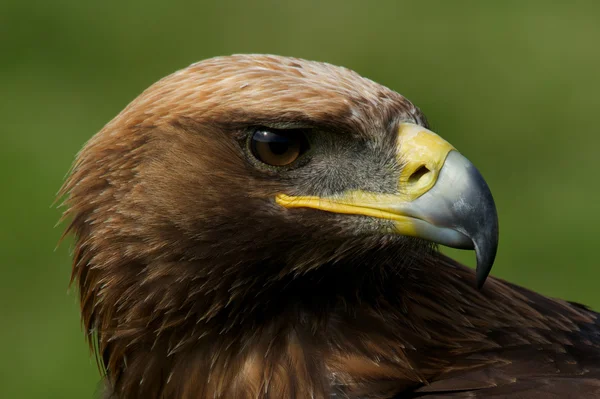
515,85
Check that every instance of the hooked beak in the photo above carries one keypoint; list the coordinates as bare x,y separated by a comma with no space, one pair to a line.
441,197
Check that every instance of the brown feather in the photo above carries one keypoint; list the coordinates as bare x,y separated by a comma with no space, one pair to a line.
194,284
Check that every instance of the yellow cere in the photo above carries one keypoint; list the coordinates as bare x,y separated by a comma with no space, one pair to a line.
420,148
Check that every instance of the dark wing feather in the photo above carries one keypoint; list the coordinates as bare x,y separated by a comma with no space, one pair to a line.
549,387
566,366
518,379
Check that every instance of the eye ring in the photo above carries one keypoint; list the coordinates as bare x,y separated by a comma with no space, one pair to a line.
278,148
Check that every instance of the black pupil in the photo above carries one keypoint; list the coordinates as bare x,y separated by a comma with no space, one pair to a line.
279,144
279,148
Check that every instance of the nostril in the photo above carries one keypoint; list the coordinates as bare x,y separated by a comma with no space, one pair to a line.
417,174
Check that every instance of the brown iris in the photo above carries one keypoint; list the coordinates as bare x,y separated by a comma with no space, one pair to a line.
278,148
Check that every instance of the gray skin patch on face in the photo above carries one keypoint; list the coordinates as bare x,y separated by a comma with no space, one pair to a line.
339,163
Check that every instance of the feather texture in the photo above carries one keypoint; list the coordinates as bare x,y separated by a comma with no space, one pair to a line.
194,284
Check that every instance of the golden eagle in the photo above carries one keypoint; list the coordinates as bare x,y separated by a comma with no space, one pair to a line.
258,226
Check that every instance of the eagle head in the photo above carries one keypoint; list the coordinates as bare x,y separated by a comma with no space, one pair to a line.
246,191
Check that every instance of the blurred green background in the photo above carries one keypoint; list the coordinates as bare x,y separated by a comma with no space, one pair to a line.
513,84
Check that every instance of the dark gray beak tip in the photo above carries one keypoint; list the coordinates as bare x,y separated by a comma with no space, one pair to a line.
485,261
485,240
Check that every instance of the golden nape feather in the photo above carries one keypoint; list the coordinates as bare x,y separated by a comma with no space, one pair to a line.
258,226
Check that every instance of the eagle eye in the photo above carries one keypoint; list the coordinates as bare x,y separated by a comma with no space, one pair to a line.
278,148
